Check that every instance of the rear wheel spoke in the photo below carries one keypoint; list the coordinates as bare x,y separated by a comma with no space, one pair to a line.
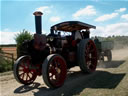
89,45
93,50
93,58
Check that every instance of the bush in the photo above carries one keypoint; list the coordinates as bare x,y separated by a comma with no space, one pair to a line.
20,38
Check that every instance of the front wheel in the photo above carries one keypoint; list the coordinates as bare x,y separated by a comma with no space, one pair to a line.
22,72
54,71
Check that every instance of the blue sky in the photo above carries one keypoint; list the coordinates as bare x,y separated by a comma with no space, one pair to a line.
110,16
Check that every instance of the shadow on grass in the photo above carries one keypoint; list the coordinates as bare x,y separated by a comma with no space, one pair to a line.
112,64
76,82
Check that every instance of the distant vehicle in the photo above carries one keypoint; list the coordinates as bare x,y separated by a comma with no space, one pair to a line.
67,45
104,49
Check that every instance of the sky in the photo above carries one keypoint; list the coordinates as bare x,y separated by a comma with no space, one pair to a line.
109,16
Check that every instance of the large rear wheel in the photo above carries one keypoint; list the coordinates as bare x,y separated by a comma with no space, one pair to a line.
54,71
22,72
87,55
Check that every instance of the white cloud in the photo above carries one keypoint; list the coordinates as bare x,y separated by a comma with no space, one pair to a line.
55,19
87,11
44,9
112,29
121,10
106,17
7,37
125,16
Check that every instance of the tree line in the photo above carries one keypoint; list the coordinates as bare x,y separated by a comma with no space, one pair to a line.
119,41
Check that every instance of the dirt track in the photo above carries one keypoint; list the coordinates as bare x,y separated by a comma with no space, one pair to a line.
72,86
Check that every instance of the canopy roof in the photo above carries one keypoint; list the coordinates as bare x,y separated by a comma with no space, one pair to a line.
70,26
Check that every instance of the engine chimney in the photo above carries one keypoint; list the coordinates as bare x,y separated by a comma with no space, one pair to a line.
38,22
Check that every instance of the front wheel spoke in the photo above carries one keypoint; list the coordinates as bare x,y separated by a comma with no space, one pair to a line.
23,66
52,70
28,62
32,73
52,78
20,70
29,76
51,75
22,75
56,63
26,76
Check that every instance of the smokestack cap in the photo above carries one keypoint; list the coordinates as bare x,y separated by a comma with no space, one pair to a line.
37,13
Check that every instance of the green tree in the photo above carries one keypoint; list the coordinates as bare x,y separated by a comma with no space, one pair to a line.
20,38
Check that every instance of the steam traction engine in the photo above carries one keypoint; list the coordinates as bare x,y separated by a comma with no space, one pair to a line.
67,45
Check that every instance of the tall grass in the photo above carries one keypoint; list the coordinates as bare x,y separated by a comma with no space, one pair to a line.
5,64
